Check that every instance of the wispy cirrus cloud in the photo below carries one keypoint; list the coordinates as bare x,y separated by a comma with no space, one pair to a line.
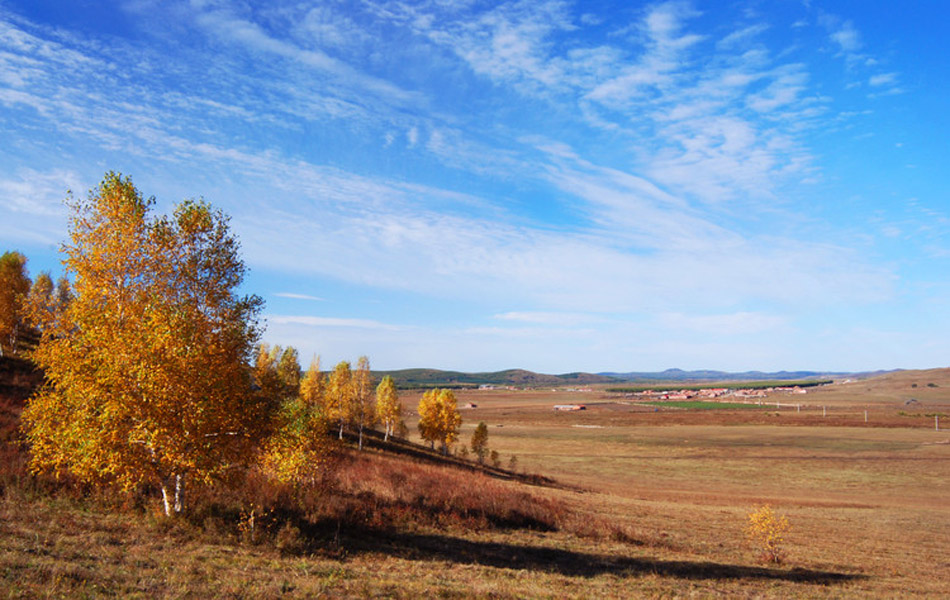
849,44
294,296
311,321
734,324
582,170
33,204
230,27
882,79
548,318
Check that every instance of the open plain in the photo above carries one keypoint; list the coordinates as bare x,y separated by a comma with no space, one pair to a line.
858,467
647,501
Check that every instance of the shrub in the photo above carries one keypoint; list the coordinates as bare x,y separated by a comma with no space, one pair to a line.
766,531
289,540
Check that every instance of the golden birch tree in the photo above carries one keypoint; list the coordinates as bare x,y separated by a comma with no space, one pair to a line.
266,379
388,407
439,418
14,287
428,410
62,295
479,442
313,386
146,368
299,450
288,369
339,395
363,413
450,420
40,303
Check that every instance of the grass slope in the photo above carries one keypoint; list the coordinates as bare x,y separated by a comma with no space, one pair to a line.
645,505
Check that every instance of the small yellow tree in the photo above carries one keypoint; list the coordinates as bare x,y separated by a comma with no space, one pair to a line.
451,419
388,407
14,287
288,369
439,418
266,378
362,413
313,386
39,302
766,531
429,416
299,450
480,442
339,395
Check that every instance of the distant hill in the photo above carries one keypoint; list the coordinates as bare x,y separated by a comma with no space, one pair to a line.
424,378
675,375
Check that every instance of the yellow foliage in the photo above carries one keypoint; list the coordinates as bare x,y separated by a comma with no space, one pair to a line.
313,385
146,365
388,407
439,418
339,395
363,410
14,287
299,449
767,531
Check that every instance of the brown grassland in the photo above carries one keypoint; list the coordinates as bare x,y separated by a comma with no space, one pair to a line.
643,502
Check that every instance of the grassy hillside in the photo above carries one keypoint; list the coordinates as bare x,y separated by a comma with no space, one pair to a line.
425,378
635,503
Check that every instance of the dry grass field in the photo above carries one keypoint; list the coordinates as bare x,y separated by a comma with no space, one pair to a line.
652,502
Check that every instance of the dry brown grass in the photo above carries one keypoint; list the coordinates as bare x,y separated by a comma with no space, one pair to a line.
662,514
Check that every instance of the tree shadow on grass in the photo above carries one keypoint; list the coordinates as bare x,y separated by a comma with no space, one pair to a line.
414,546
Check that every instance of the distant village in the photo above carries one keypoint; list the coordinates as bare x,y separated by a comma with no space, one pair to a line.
708,393
734,394
705,393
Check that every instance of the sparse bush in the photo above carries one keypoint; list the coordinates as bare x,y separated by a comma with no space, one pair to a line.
289,540
402,431
513,463
495,459
766,531
480,442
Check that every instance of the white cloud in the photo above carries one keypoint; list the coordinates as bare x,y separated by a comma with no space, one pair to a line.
294,296
741,323
663,151
310,321
548,318
883,79
33,204
843,34
234,29
38,193
742,36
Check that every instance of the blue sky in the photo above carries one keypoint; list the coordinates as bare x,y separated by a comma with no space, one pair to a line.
549,185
